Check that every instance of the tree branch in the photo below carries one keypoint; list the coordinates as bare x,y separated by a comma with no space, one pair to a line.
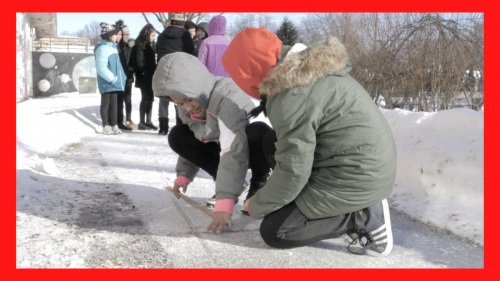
146,18
158,17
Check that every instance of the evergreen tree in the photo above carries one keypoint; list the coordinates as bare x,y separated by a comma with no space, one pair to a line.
287,32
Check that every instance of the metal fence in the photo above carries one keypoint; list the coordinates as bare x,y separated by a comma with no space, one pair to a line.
62,45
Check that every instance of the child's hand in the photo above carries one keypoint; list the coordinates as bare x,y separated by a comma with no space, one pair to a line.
177,193
220,220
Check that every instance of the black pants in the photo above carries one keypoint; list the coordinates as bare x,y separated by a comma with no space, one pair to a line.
289,228
108,108
207,155
146,106
127,98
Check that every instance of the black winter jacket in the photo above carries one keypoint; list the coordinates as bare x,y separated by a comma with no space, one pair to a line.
174,39
143,62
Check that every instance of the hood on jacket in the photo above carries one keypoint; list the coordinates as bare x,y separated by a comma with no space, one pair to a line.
217,25
173,32
317,61
173,78
189,24
250,56
204,26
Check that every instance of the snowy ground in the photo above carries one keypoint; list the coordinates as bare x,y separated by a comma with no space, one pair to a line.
88,200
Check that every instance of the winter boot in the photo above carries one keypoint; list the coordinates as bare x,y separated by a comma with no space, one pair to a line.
376,239
161,132
106,130
165,125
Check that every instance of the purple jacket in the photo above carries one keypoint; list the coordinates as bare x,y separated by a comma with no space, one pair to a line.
212,48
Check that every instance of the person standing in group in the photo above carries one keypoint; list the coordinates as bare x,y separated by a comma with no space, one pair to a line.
124,51
175,38
143,62
191,28
212,49
201,34
110,77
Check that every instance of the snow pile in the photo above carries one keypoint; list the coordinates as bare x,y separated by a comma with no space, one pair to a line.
46,165
44,125
440,176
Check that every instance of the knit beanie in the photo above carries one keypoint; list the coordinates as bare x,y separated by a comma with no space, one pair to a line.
177,19
107,30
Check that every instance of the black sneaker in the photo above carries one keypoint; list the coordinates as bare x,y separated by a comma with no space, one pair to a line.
143,126
376,239
150,125
254,187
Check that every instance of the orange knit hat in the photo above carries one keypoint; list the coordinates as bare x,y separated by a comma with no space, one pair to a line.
250,56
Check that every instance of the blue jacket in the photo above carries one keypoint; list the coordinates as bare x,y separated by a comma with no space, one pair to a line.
110,74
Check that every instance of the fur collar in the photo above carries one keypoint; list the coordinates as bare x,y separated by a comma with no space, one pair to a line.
305,67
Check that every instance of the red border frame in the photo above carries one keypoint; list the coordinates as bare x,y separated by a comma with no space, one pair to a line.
265,6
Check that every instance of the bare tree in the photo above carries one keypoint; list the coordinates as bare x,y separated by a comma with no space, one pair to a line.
267,21
91,30
415,61
66,33
245,20
164,18
241,22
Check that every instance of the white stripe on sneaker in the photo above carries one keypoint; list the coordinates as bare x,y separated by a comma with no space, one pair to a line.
377,230
380,235
381,241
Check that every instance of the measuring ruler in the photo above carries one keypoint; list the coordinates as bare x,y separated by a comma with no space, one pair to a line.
193,203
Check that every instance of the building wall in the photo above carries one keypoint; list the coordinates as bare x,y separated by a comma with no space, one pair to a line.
23,57
55,73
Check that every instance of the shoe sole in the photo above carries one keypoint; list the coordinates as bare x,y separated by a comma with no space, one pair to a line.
388,229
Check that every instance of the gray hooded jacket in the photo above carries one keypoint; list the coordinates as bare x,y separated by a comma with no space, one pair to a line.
223,120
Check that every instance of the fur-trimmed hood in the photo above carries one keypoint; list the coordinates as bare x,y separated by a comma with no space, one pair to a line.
306,67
